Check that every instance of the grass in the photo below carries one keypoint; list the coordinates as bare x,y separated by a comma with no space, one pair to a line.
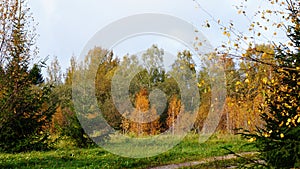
188,150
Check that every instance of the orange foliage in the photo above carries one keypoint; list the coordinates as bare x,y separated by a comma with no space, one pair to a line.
173,111
58,120
144,120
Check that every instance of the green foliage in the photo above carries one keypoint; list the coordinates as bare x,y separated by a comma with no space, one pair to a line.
35,75
65,121
65,124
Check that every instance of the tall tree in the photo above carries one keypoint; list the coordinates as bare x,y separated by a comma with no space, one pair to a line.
144,120
173,112
7,14
153,63
184,72
54,72
204,85
279,140
26,105
65,122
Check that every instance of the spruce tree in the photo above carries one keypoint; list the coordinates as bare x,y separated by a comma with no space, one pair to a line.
26,105
279,140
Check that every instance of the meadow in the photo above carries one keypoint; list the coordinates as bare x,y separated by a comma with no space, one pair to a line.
188,150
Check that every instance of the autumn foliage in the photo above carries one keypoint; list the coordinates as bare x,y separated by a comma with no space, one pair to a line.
143,120
262,82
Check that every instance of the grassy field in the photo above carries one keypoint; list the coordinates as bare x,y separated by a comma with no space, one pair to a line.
188,150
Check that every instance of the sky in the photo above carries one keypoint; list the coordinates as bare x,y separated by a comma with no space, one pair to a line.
66,26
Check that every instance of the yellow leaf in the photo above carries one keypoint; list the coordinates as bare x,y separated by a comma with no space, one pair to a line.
265,80
281,135
252,139
266,135
268,11
281,124
273,81
228,34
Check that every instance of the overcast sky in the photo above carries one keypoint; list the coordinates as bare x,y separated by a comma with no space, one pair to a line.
65,26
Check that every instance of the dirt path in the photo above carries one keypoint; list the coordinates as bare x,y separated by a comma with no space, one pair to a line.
203,161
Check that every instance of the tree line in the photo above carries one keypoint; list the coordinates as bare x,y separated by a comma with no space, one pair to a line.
244,83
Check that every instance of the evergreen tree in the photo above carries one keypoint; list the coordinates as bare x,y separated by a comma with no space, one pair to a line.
279,140
26,105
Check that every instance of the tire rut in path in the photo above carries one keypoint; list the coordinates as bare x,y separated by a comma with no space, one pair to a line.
203,161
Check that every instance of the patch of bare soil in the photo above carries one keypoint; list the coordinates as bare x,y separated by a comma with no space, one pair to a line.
203,161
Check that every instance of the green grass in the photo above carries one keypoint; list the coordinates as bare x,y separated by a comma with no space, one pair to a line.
188,150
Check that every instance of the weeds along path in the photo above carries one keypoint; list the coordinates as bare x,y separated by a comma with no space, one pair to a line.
203,161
